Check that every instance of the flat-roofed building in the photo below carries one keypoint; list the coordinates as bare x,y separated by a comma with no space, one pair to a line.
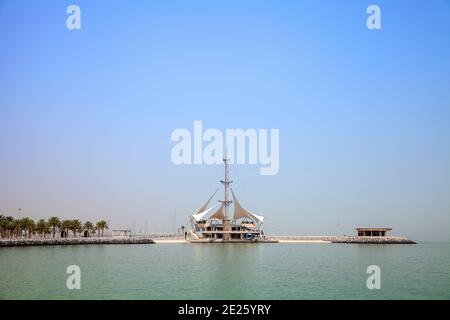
372,232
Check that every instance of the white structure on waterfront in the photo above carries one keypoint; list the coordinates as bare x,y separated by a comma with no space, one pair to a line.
214,224
121,233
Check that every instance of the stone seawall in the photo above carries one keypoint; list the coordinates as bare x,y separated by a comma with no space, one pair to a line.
147,240
373,240
346,239
71,241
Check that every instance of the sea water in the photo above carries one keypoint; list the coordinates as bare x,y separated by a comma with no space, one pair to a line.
226,271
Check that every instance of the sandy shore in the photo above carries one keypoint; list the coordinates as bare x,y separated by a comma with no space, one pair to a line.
163,241
166,241
304,241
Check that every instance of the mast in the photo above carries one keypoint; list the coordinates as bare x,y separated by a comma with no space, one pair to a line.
226,183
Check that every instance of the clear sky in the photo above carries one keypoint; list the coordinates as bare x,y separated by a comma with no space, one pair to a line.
364,116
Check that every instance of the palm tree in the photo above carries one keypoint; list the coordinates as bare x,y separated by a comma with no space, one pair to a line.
16,226
3,225
10,225
22,227
31,226
54,223
89,227
66,226
28,225
76,226
42,227
101,225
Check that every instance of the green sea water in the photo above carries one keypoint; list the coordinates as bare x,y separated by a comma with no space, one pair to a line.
226,271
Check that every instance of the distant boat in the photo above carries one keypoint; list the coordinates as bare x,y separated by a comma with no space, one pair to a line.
213,224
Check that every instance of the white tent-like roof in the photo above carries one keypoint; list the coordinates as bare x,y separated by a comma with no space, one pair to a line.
240,212
201,215
215,212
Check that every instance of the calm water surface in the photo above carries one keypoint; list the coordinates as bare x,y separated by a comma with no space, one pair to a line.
227,271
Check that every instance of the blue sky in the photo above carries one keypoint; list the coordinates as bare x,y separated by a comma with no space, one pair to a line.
364,116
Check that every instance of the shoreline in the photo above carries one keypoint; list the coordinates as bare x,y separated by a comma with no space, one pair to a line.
304,241
25,242
159,241
169,241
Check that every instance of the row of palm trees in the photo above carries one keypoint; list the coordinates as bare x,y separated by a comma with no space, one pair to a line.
27,227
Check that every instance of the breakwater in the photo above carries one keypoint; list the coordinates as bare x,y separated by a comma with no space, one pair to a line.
72,241
344,239
373,240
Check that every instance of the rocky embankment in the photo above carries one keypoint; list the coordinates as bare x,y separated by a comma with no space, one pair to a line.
372,240
71,241
344,239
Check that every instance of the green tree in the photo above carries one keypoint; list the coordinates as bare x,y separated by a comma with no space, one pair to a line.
27,225
42,228
3,226
22,227
17,228
66,225
76,226
54,223
101,226
89,227
10,226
